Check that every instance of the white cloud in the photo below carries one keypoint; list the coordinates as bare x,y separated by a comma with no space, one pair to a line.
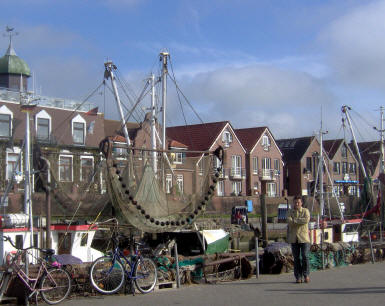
355,44
258,95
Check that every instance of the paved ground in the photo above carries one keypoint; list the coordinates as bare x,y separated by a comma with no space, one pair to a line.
353,285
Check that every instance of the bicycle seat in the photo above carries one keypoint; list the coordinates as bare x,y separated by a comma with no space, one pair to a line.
49,252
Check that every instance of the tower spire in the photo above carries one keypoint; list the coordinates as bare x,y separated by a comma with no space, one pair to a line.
10,33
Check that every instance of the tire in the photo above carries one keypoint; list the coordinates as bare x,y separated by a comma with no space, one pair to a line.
107,276
145,275
55,286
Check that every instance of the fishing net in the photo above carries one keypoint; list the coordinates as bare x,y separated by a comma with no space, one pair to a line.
155,192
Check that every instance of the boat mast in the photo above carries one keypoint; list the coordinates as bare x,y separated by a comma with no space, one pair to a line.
153,127
345,109
321,174
110,74
163,57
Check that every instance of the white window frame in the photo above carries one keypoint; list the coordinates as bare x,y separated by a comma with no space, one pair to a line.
236,187
266,142
271,189
72,167
236,165
85,179
78,119
227,138
43,115
179,157
220,189
277,168
168,183
255,165
179,182
15,151
6,111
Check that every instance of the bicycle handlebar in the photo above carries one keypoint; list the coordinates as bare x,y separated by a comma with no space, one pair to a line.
7,238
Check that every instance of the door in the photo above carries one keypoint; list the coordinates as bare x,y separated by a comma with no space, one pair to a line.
65,243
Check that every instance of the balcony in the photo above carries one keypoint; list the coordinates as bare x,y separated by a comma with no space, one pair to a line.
237,173
267,175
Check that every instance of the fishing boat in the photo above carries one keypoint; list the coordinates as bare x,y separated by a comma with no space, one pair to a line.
156,184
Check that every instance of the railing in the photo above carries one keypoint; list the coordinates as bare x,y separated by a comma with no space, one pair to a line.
11,95
237,172
267,174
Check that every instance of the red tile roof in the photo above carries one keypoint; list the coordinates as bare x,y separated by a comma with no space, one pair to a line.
250,136
198,137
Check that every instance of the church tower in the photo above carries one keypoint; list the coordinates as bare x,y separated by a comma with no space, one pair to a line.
12,68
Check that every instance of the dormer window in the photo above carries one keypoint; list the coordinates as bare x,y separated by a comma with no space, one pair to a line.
78,130
227,138
43,125
5,122
265,142
344,151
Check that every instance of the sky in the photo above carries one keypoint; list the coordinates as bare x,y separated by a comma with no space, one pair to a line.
281,64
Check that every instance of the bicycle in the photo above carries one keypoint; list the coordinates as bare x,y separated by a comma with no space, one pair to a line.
52,283
107,273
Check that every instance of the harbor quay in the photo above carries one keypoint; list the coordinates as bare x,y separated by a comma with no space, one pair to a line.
362,284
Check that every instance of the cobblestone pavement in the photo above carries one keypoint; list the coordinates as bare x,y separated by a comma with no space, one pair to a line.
354,285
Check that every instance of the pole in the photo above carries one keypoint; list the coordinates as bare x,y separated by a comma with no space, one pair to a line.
382,170
153,127
256,258
109,68
177,265
345,111
264,220
164,56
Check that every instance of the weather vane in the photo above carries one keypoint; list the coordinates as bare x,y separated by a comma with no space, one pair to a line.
10,33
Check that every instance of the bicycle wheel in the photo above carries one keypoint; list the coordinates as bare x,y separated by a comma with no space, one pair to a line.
55,286
107,275
145,274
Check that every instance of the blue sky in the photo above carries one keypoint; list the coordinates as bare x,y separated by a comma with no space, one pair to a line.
254,63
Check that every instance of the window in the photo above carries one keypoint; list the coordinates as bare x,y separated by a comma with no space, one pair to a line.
12,164
220,189
237,188
236,165
42,129
344,167
83,239
336,168
168,183
78,133
352,168
6,117
344,151
255,165
19,241
271,189
179,182
352,190
65,168
216,162
78,130
265,142
86,168
266,163
5,125
276,166
35,240
309,162
43,125
227,138
179,157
